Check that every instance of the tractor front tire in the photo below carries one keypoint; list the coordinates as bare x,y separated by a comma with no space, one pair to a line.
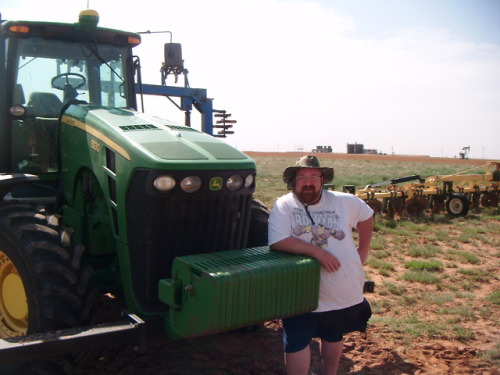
42,266
44,285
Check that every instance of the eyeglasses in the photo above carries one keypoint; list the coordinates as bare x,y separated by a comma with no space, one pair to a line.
308,178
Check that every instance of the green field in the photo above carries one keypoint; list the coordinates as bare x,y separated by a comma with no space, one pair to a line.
356,172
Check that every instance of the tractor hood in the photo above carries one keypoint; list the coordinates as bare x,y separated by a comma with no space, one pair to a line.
149,140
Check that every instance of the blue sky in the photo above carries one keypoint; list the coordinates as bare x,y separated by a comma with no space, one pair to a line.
476,20
417,77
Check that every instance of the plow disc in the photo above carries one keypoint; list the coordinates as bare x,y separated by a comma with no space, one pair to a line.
438,205
415,207
474,200
375,205
394,206
489,200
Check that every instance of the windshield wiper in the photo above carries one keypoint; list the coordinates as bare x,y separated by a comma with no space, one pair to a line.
92,47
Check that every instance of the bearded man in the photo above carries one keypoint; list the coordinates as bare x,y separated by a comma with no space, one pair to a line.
318,223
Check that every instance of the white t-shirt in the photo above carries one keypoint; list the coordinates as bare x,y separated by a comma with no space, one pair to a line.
334,216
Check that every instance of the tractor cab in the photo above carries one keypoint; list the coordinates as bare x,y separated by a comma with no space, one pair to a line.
48,67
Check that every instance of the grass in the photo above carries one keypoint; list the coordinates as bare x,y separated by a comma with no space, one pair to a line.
347,172
475,274
385,268
392,288
420,265
494,297
426,251
438,299
465,256
493,354
424,277
413,326
436,277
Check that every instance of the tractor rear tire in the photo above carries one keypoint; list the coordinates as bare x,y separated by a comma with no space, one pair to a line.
457,205
44,285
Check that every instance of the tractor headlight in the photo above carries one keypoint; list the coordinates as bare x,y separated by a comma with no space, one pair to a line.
164,183
234,182
249,181
190,184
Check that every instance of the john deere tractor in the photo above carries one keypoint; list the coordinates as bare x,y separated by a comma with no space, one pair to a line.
98,197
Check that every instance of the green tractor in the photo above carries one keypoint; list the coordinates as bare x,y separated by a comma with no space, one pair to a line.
99,197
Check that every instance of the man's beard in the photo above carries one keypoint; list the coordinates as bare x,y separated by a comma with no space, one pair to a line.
308,194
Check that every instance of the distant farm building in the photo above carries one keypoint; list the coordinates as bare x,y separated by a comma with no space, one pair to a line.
359,148
322,149
356,148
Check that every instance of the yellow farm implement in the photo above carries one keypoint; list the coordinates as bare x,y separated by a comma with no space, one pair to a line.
455,193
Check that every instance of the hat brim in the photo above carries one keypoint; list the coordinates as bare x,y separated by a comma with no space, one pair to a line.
289,173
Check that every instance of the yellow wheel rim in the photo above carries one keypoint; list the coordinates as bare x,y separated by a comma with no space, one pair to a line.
13,302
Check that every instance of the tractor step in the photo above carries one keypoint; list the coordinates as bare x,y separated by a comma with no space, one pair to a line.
42,345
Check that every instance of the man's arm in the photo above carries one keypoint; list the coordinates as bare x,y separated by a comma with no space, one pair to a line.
297,246
365,230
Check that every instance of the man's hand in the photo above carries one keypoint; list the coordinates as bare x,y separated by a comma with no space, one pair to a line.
329,261
297,246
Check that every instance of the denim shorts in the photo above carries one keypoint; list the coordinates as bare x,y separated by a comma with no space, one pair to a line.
299,330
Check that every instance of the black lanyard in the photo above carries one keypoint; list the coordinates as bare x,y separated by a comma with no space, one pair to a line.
307,205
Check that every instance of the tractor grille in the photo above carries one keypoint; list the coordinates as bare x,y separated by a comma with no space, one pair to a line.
164,226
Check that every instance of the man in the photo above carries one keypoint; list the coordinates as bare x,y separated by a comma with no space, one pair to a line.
318,223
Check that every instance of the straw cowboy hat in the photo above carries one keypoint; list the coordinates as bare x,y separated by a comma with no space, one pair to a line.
307,161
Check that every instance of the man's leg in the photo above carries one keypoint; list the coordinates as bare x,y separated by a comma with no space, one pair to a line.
297,363
331,353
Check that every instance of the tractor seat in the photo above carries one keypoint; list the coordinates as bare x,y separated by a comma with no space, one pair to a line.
45,104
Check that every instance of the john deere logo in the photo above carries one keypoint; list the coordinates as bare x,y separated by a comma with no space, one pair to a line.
215,183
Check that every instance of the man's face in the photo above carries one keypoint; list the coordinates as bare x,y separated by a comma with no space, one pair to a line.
308,183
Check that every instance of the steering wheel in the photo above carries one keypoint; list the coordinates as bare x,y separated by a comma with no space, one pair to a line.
62,82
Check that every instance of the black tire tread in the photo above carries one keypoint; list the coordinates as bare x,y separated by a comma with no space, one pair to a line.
60,282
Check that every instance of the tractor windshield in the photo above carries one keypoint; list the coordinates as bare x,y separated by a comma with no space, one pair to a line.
49,74
63,71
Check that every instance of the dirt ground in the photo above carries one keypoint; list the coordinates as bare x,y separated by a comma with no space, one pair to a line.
259,352
378,351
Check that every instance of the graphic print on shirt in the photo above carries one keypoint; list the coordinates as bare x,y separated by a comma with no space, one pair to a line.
326,225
